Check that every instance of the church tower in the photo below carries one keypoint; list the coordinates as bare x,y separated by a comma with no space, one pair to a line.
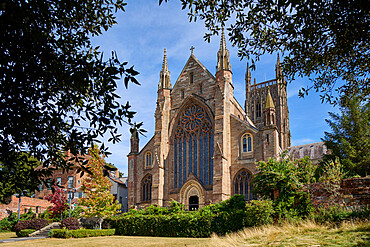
223,97
162,119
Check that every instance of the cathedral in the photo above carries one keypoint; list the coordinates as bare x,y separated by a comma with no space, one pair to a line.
206,145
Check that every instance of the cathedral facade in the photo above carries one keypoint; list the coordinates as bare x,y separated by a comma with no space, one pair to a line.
206,145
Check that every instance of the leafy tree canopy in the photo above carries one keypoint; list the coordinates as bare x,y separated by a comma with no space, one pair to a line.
59,199
57,93
349,139
98,200
20,178
327,41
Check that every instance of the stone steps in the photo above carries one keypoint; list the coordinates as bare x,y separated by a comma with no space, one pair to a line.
44,232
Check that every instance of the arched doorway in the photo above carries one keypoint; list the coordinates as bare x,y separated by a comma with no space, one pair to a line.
193,203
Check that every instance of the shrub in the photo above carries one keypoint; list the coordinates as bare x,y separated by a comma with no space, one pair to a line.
338,214
37,224
5,225
25,232
228,216
80,233
21,225
70,223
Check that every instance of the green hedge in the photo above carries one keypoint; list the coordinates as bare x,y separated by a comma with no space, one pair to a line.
80,233
25,232
228,216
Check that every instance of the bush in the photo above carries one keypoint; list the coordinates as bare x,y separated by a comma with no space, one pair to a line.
338,214
80,233
70,223
25,232
21,225
37,224
228,216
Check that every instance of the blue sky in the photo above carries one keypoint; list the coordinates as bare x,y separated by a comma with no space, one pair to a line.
142,33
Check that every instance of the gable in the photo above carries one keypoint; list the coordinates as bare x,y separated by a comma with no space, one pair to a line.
194,79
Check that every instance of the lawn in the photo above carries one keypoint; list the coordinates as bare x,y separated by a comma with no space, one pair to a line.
6,235
112,241
302,234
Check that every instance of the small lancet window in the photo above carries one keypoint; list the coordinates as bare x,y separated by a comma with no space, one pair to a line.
148,159
201,89
191,78
182,94
247,143
258,110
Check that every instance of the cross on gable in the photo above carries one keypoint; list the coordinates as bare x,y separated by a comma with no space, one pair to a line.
192,48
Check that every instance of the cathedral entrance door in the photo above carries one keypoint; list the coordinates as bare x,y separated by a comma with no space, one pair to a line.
193,203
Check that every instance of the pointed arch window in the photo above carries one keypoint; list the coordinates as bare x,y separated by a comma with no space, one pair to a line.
247,143
193,146
243,184
148,159
146,188
258,109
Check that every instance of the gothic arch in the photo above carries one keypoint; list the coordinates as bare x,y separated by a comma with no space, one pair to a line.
192,143
146,188
192,188
242,184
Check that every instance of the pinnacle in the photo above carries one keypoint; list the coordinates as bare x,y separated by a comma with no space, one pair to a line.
165,65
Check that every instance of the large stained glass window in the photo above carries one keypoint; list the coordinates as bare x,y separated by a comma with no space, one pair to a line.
193,146
243,184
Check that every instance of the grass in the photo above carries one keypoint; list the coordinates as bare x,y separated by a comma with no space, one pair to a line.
7,235
112,241
300,234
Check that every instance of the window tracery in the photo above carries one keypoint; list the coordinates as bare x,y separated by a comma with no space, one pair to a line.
193,146
148,159
243,184
146,188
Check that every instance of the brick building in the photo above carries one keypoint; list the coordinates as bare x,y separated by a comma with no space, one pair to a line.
206,145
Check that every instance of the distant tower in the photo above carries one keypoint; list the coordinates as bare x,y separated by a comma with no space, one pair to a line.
248,82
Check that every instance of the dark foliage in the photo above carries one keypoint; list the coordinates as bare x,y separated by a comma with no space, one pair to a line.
57,91
37,224
349,139
337,214
70,223
21,225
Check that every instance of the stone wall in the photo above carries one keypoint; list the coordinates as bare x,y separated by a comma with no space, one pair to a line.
351,192
38,206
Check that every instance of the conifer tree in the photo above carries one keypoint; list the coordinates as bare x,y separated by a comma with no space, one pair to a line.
98,200
350,136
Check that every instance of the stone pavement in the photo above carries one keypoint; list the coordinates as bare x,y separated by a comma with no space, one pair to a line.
20,239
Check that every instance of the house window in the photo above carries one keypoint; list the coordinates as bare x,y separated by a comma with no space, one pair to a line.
146,188
70,182
49,183
148,159
59,181
243,184
246,143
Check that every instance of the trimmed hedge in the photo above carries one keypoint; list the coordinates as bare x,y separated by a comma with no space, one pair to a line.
25,232
80,233
225,217
36,224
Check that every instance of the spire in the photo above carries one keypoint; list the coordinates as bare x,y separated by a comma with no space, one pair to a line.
164,65
223,62
248,76
278,68
269,102
164,75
